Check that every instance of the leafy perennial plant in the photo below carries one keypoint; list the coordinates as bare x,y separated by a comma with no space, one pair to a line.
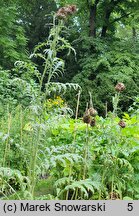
47,154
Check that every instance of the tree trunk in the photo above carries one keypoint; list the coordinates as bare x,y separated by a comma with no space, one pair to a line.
109,10
105,26
92,19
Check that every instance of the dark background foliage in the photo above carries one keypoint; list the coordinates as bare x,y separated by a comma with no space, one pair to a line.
103,33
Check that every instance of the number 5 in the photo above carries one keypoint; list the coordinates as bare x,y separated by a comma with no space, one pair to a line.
130,207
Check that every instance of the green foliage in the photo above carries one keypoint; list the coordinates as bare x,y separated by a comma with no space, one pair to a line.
49,50
17,86
12,181
46,154
71,163
103,65
12,38
36,20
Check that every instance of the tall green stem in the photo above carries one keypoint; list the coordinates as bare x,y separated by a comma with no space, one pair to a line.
115,103
76,116
86,152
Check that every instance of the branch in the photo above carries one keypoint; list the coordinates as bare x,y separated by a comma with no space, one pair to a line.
119,18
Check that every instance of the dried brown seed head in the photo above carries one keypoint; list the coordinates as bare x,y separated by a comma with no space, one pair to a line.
120,87
92,111
86,118
93,123
122,124
63,12
114,196
68,11
72,8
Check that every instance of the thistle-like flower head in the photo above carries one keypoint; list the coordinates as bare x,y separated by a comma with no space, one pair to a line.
64,12
122,124
120,87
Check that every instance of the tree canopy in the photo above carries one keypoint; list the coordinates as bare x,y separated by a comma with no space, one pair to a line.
104,34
